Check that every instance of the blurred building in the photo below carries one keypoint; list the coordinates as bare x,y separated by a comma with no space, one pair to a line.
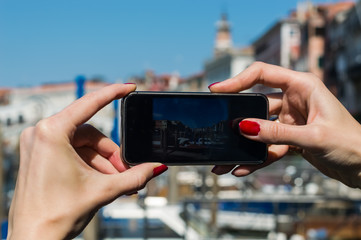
4,96
227,60
298,41
26,106
280,45
343,55
149,81
193,83
314,20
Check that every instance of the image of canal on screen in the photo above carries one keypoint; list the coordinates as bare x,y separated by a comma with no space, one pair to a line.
204,129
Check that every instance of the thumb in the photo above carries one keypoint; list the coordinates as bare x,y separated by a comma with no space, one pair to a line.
276,133
131,180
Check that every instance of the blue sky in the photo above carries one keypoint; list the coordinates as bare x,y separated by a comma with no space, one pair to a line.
194,114
45,41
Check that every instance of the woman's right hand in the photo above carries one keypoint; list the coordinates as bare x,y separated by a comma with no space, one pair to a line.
310,118
68,170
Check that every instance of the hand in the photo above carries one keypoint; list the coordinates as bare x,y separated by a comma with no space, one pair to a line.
311,119
69,170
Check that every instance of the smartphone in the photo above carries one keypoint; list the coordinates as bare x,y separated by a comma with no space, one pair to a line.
178,128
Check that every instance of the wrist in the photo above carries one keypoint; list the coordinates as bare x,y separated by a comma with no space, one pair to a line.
36,230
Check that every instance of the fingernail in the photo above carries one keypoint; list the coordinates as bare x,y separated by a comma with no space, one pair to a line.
249,127
213,84
159,170
129,83
215,169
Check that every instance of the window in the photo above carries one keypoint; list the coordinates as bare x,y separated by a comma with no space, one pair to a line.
8,122
321,61
320,31
21,119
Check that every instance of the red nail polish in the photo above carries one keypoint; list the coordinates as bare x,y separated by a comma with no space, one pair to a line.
249,127
212,84
159,170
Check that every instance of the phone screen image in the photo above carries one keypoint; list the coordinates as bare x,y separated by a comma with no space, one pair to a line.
191,129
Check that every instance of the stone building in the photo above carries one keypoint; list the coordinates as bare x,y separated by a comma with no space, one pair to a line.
227,60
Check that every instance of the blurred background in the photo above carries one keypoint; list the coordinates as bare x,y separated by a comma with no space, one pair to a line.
54,52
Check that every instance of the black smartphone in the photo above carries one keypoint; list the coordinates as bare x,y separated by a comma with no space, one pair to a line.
178,128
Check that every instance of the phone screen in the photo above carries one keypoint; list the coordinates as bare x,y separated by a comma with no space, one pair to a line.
185,129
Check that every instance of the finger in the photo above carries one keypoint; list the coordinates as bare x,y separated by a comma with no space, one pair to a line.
87,135
131,180
305,136
84,108
275,152
275,103
258,73
222,169
96,161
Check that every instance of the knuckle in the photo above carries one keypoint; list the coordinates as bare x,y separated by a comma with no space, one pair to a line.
44,128
137,181
311,79
141,181
257,64
257,67
276,133
306,75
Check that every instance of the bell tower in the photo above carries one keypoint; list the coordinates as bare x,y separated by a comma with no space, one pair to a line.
223,42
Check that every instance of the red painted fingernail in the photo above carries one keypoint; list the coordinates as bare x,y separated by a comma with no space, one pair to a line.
249,127
213,84
214,169
159,170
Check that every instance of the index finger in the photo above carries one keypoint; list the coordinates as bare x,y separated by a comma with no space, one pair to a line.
258,73
81,110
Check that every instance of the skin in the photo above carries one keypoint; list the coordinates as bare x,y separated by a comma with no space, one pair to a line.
311,120
68,170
